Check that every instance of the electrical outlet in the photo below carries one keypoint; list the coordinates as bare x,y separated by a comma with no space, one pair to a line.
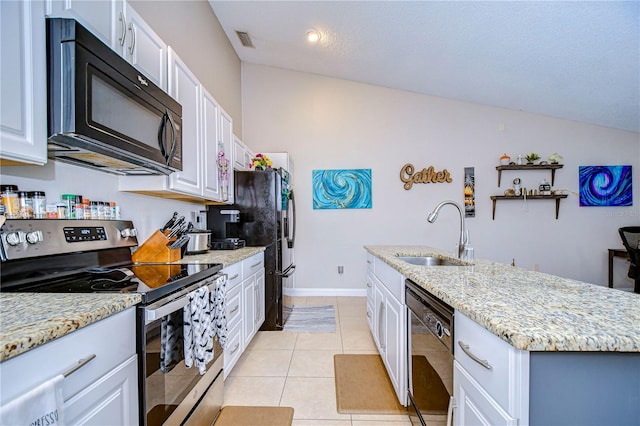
340,269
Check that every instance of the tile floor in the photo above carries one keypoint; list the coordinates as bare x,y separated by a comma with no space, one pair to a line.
281,368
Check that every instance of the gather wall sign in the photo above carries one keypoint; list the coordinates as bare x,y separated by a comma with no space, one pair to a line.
427,175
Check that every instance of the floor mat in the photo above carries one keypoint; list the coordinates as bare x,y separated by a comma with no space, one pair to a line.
319,319
363,386
255,416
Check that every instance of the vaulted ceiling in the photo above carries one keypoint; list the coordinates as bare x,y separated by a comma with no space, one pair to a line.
576,60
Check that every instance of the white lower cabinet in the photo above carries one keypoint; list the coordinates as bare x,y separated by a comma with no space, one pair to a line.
474,406
244,306
104,391
490,377
385,297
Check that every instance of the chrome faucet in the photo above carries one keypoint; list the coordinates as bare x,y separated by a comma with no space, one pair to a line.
465,252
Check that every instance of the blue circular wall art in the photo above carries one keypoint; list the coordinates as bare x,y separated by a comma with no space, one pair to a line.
605,186
342,189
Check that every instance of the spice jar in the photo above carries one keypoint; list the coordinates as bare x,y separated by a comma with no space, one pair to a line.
39,204
26,205
79,207
10,201
70,201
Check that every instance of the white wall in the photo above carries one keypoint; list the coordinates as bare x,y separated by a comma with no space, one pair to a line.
327,123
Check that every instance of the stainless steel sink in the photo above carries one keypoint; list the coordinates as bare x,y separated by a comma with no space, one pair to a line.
430,261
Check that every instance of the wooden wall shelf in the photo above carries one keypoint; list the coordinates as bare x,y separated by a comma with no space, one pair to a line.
495,198
552,167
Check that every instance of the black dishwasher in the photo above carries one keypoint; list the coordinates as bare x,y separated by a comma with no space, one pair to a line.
430,350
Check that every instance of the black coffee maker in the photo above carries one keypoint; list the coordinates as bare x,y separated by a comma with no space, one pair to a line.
225,225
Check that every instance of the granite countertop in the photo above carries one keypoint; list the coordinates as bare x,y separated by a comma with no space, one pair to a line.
28,320
530,310
226,257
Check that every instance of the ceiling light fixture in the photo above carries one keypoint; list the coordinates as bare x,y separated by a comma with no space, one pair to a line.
313,36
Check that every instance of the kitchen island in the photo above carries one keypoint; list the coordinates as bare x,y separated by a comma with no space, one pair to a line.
571,349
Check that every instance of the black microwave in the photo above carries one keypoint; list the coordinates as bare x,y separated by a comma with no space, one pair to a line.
102,112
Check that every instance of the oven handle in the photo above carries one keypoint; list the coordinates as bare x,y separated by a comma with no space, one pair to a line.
156,311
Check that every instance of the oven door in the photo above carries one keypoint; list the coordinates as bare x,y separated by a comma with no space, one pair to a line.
171,393
430,369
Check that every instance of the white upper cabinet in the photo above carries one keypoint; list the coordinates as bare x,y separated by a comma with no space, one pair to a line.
23,86
104,18
185,88
210,130
144,49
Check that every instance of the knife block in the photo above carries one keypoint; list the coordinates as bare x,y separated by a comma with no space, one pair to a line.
156,250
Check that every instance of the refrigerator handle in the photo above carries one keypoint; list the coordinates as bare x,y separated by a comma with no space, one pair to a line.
292,207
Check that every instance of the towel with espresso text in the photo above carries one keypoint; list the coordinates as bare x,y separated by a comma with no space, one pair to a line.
42,405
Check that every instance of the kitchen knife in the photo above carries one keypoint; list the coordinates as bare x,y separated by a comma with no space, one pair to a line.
180,242
170,222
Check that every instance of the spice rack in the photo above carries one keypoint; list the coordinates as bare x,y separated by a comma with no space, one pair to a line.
156,250
551,167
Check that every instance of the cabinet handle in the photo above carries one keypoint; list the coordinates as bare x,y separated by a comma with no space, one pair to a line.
368,284
368,314
234,310
255,265
466,350
369,262
81,363
133,38
235,348
123,36
234,277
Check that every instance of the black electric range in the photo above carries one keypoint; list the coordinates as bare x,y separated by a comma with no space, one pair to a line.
87,256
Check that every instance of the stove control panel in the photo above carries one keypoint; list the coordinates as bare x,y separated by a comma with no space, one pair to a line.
75,234
27,238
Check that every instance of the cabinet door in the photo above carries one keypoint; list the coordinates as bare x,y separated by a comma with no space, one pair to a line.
260,299
23,87
225,144
145,50
474,406
379,307
209,136
239,155
249,309
395,354
104,18
111,400
185,88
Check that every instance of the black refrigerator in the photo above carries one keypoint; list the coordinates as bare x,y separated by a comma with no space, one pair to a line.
259,199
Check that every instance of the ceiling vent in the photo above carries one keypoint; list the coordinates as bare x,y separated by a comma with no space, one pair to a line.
245,39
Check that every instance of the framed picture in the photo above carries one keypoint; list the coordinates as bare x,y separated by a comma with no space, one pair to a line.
606,186
342,189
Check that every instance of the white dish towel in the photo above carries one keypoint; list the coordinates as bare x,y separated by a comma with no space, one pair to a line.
41,405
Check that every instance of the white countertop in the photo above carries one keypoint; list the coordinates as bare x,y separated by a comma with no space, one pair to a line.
530,310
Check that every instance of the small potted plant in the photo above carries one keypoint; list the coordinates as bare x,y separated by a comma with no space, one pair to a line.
532,157
555,158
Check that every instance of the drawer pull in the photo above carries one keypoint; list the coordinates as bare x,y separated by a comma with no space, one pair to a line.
234,310
255,265
234,277
369,284
466,350
235,348
81,363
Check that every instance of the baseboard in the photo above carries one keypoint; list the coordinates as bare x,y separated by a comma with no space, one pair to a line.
310,292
